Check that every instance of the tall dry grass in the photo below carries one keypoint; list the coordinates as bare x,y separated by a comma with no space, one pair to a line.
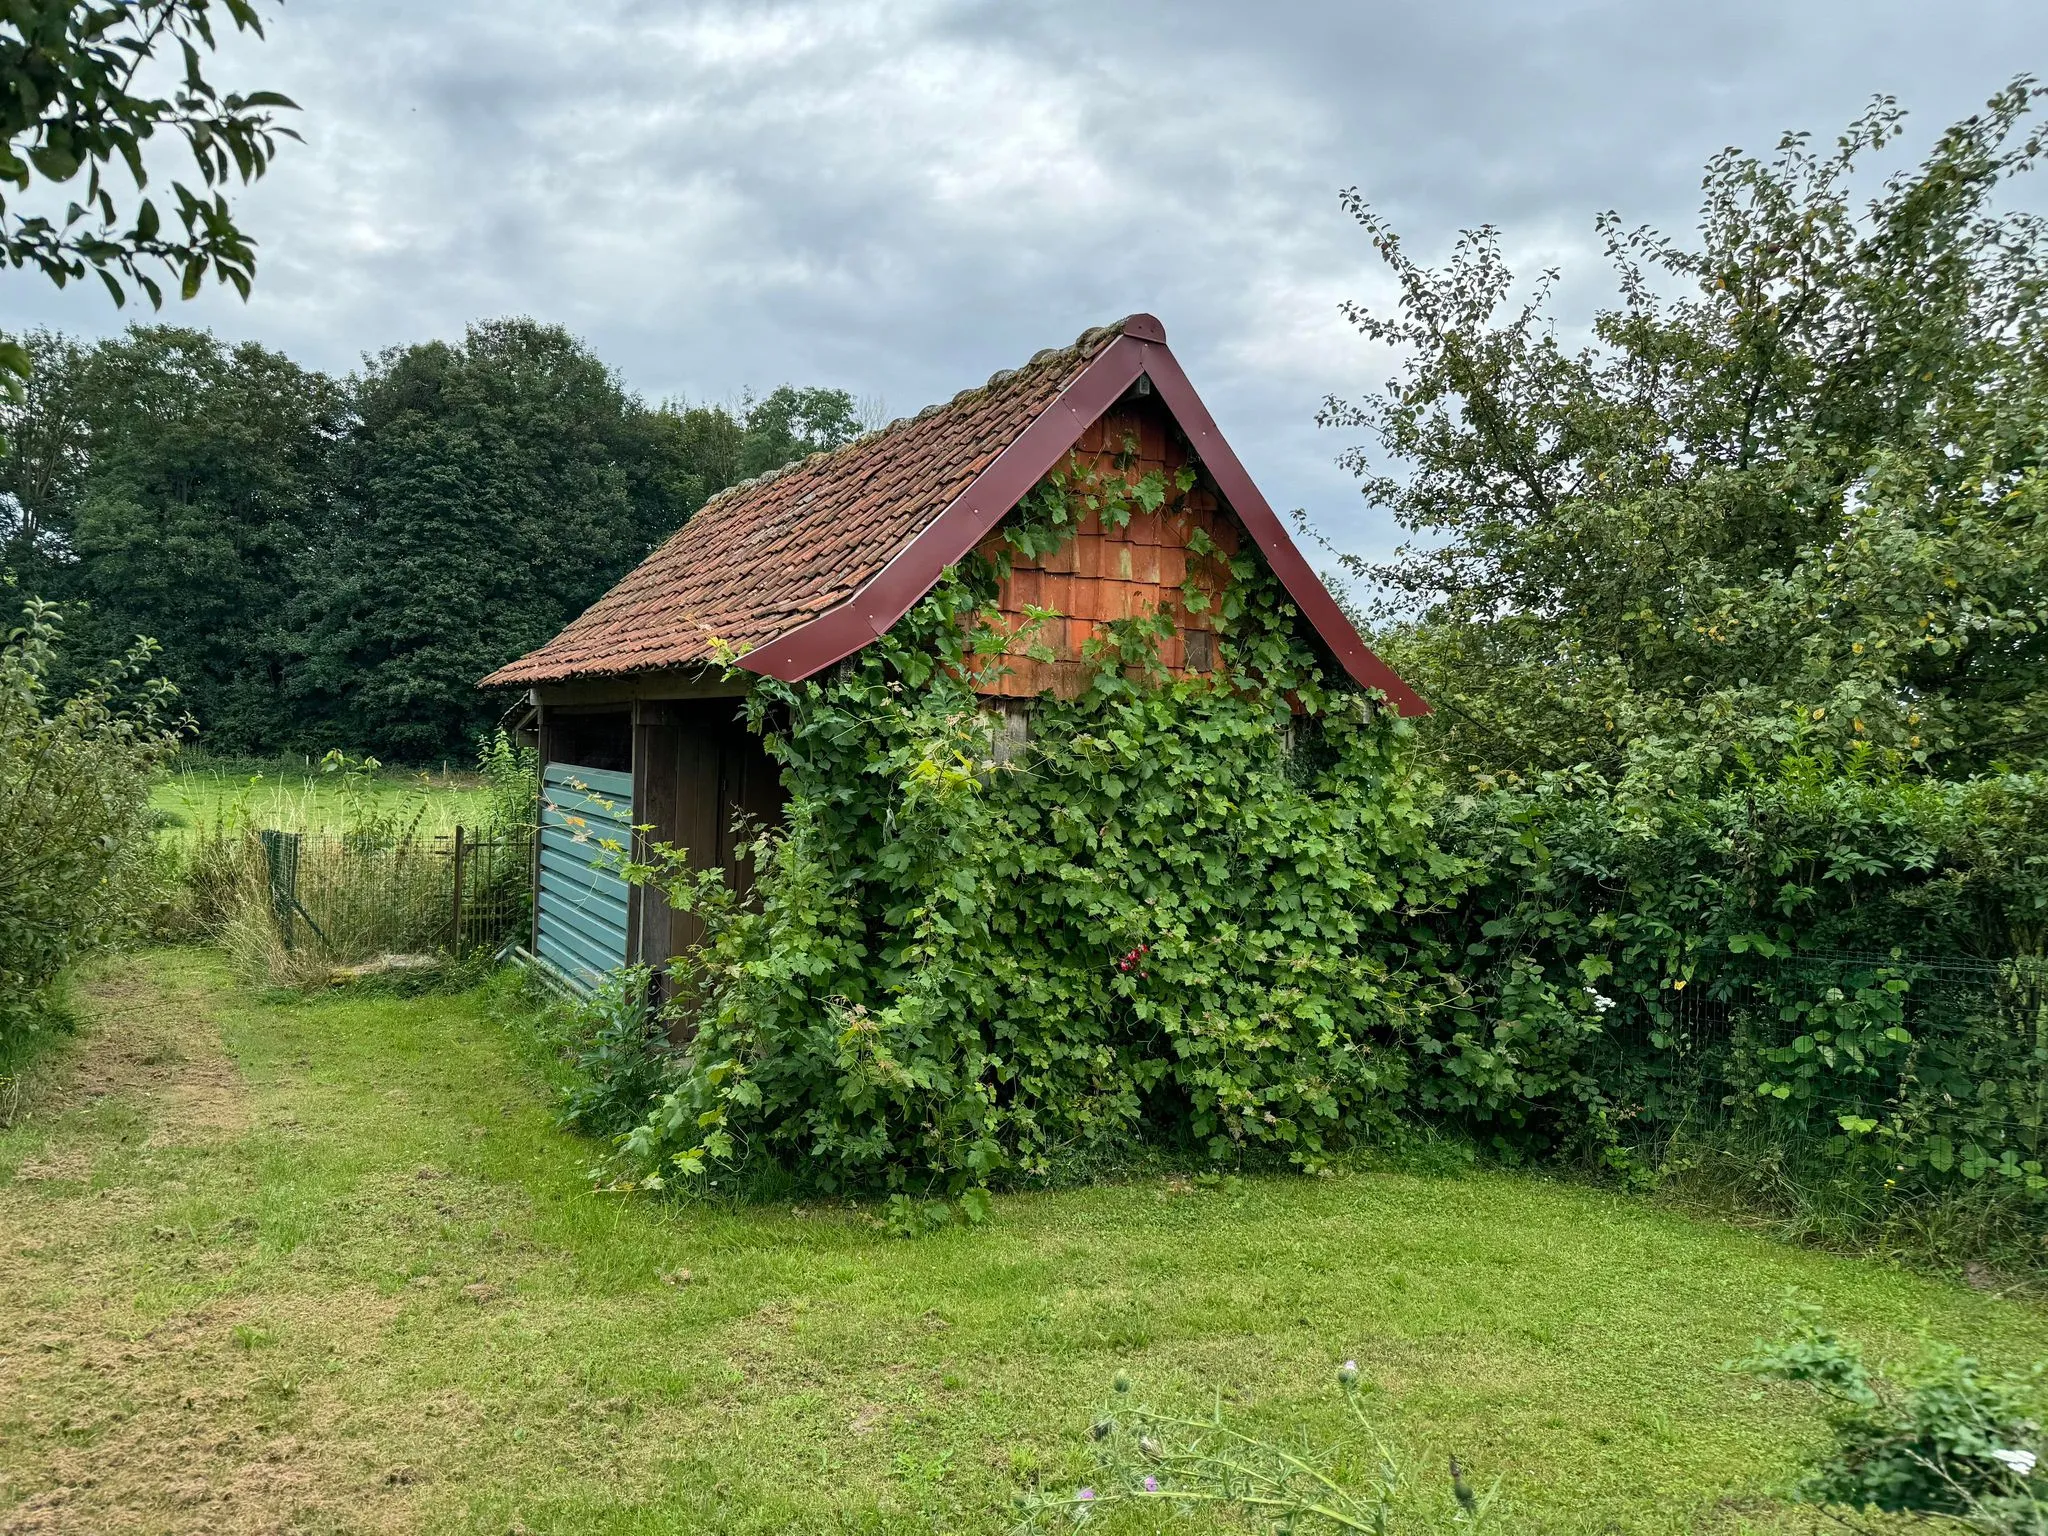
355,900
375,868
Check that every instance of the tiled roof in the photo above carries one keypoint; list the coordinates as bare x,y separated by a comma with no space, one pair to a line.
768,555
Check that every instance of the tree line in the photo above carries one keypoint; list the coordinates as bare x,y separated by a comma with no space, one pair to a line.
335,561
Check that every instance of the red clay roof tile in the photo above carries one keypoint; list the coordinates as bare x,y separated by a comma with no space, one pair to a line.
770,554
804,566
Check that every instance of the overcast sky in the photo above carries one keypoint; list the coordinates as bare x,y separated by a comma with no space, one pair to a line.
901,198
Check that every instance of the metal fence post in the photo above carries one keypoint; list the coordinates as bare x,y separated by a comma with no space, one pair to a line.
455,923
281,859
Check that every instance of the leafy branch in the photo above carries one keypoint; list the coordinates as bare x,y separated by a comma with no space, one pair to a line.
70,101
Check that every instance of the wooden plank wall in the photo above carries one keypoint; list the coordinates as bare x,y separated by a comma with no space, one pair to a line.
1103,574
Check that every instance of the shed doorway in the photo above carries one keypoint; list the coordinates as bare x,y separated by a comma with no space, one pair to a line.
701,782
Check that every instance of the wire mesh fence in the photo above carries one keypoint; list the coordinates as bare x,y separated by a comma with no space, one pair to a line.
340,899
1943,1055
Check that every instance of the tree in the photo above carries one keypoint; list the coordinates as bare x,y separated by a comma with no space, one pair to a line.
43,453
204,480
486,492
329,564
705,448
792,423
1802,501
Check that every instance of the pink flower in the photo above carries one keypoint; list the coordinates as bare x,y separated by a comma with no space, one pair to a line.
1151,1485
1086,1495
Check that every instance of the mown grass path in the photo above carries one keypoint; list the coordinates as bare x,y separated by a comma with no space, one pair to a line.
327,1267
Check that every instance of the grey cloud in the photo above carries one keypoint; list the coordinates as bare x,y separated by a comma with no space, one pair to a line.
900,196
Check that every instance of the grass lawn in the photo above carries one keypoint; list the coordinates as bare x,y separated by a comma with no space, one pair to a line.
326,1266
306,800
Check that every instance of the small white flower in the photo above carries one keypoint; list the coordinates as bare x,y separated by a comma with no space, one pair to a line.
2021,1462
1601,1003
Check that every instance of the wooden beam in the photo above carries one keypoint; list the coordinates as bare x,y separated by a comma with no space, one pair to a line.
695,683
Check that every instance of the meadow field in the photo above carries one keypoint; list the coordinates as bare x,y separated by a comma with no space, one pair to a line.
205,796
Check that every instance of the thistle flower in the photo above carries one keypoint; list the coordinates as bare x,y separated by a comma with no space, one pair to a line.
1122,1382
1149,1447
1151,1484
1347,1375
1085,1496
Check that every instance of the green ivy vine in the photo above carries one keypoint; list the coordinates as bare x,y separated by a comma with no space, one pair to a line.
1189,910
1225,914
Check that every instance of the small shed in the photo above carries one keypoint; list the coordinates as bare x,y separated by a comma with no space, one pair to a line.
640,724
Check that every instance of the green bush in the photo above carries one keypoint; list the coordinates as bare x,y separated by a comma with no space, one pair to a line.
1940,1437
616,1054
75,845
1758,948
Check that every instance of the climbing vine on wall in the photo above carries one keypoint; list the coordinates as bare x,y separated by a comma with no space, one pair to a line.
1185,909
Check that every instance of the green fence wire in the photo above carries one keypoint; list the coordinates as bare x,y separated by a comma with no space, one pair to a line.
1942,1057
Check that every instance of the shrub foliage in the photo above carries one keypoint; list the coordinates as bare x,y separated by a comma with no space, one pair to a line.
74,788
1184,910
1756,951
1935,1436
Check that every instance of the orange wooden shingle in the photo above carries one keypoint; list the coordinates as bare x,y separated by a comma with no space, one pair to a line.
1101,575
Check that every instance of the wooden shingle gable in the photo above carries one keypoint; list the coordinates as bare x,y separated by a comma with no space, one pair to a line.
803,568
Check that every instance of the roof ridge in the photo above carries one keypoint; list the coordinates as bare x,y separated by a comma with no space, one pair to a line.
1094,336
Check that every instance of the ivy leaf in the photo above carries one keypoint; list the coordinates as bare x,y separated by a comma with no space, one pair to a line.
1150,491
